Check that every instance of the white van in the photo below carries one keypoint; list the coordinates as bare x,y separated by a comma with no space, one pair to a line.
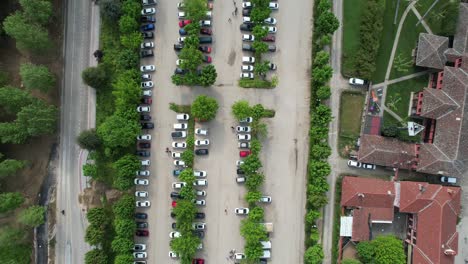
266,254
266,244
447,179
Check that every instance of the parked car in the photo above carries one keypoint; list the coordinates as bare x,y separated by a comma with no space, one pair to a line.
200,193
172,254
147,35
146,100
146,19
179,134
148,93
247,47
201,131
448,179
244,153
146,77
205,23
179,71
144,233
269,38
247,37
205,40
141,224
245,137
174,234
147,125
175,195
139,247
144,137
270,21
241,211
246,120
240,179
145,145
143,153
178,47
145,162
368,166
265,199
243,129
239,163
200,183
183,32
148,27
202,142
272,66
199,202
141,216
354,163
143,108
246,27
183,23
244,144
206,31
148,2
246,12
179,163
176,172
246,59
146,53
176,155
145,117
148,11
182,117
239,171
143,204
199,173
198,226
205,49
201,152
273,5
147,84
247,5
206,59
178,185
356,81
247,75
139,181
147,68
143,173
199,215
199,234
271,29
147,45
179,144
247,68
141,194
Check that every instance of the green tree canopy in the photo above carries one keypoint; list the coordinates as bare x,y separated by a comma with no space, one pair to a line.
10,201
13,99
327,23
208,75
94,235
124,259
8,167
124,207
37,11
95,77
96,256
28,36
241,109
37,77
33,216
89,140
117,131
204,108
314,255
124,228
97,216
122,245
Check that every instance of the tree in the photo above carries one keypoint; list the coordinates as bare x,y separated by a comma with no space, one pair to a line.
13,99
256,214
259,32
255,146
124,228
241,109
127,90
95,77
33,216
251,164
261,68
186,246
10,201
311,217
204,108
321,58
253,250
94,235
320,151
388,250
8,167
89,140
131,40
38,11
191,58
124,207
253,197
122,245
390,131
327,23
258,15
110,10
131,8
123,259
314,255
196,9
96,256
28,36
322,75
37,119
36,77
90,170
14,246
257,111
97,216
208,75
323,92
127,165
365,251
259,46
323,6
260,130
350,261
188,156
127,24
128,59
117,131
251,230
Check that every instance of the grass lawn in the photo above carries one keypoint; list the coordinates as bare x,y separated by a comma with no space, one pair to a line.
350,118
407,42
442,17
399,94
351,21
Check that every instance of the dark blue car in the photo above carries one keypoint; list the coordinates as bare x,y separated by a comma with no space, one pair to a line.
148,27
182,32
176,173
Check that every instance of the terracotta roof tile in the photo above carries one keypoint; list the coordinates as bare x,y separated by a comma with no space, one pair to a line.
436,103
431,50
366,192
460,41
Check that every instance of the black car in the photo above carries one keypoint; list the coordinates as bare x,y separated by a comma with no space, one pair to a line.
142,233
145,145
146,53
142,224
147,35
239,171
178,134
204,49
201,152
178,47
173,215
199,233
146,100
272,48
174,226
246,12
148,125
145,118
141,216
138,247
247,47
147,19
175,195
143,153
179,71
199,215
246,27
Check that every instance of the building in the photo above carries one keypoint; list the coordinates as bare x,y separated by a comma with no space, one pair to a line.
430,212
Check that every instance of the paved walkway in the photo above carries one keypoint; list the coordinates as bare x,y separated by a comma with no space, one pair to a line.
423,22
397,80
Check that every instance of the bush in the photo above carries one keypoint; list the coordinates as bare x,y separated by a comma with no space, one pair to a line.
96,256
37,77
89,140
204,108
241,109
314,255
255,83
10,201
124,207
32,216
95,77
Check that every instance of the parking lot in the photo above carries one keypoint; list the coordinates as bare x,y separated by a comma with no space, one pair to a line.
284,153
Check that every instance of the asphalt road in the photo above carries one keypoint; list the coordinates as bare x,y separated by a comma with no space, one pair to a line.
284,152
78,113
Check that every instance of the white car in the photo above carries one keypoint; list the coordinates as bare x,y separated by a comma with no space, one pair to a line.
146,76
172,254
180,5
140,255
247,5
139,247
144,137
148,93
271,29
179,163
143,173
143,204
182,117
200,193
239,256
198,226
270,20
272,66
243,129
244,144
141,194
246,137
174,234
200,183
209,14
181,126
247,68
199,173
201,131
247,75
143,109
265,199
147,45
148,2
246,120
178,62
199,202
205,23
139,181
178,185
181,145
148,84
147,68
145,163
246,20
240,179
247,37
181,39
354,163
176,155
202,142
148,11
239,163
241,211
246,59
356,81
273,5
181,14
368,166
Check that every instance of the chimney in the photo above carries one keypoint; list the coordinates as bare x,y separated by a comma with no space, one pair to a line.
422,189
450,191
361,195
450,252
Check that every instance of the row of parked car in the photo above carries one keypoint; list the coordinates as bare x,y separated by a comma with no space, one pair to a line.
248,25
204,38
144,140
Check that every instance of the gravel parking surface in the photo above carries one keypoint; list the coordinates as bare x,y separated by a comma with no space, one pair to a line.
284,152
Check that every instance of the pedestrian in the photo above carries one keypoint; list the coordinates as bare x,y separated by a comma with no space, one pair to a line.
235,11
225,211
167,150
232,127
229,20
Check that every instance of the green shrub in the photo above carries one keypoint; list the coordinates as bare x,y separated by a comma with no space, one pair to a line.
255,83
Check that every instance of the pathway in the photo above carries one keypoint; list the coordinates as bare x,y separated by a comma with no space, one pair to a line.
423,22
397,80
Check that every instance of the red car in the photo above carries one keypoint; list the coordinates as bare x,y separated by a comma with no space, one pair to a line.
210,6
206,31
142,233
244,153
174,204
198,261
183,23
204,49
207,59
146,100
269,38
